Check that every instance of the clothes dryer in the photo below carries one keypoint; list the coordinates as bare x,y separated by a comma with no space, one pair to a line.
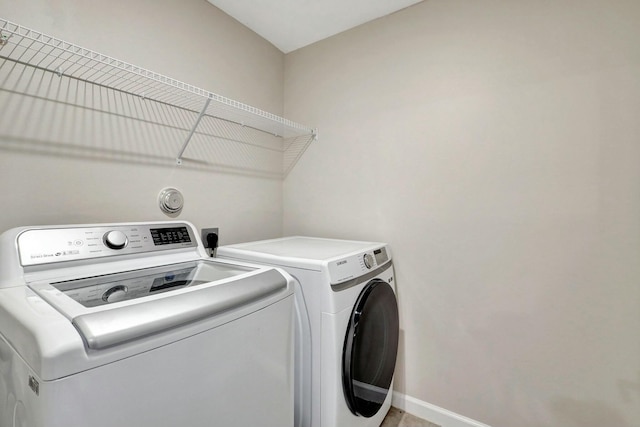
345,358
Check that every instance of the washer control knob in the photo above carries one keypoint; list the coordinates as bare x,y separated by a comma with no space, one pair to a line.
368,261
115,294
115,239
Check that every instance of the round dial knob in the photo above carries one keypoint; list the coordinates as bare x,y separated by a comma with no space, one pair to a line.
368,260
115,294
115,239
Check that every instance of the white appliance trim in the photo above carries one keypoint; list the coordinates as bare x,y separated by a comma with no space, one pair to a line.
431,412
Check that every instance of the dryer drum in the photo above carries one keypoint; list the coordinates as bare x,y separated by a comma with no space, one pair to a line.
370,349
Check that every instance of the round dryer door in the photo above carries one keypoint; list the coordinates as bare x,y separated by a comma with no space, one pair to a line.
370,349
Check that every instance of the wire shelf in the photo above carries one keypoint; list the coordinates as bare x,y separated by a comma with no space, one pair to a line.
24,47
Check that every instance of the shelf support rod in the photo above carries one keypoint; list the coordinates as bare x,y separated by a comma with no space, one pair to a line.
193,129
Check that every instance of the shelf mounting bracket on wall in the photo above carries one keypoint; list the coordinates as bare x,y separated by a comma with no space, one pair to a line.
193,129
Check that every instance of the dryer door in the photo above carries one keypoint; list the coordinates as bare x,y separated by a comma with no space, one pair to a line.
370,349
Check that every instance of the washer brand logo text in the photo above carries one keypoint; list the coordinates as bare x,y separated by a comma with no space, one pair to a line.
41,256
344,261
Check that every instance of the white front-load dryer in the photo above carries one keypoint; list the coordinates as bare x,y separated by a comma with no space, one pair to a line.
346,355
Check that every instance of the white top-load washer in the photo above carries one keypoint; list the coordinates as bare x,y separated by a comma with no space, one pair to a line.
132,325
346,357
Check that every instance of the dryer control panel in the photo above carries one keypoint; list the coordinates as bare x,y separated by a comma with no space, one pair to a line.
49,245
354,266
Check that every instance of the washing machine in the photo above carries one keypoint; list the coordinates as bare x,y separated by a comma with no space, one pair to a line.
347,328
132,325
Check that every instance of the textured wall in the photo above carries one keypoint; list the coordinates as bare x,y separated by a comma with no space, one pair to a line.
69,162
495,146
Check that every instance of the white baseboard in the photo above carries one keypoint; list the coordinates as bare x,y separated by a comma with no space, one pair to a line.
432,413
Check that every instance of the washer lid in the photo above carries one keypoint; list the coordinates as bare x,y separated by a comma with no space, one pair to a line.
116,308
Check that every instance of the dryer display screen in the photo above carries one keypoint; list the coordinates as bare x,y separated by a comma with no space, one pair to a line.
381,256
168,236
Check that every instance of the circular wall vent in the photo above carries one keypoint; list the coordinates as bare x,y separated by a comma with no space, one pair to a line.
171,201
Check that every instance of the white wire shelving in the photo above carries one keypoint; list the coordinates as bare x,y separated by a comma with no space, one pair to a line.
26,48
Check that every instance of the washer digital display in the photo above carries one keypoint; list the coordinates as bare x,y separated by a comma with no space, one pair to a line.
168,236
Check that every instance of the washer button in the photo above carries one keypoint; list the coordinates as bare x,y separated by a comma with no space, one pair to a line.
115,239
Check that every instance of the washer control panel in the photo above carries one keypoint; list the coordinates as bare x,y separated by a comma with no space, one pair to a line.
355,266
49,245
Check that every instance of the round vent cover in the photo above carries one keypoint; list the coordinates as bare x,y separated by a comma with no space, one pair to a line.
171,201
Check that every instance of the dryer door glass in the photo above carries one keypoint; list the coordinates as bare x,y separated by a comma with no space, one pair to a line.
370,349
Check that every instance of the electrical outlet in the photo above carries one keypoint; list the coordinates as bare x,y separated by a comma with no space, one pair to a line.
203,235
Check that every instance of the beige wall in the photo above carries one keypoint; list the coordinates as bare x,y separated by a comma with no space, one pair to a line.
69,165
495,146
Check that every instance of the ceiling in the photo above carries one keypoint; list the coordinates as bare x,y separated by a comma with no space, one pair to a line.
292,24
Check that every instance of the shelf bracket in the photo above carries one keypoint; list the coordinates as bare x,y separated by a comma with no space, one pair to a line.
193,129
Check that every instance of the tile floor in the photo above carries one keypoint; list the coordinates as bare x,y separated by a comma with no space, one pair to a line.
399,418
